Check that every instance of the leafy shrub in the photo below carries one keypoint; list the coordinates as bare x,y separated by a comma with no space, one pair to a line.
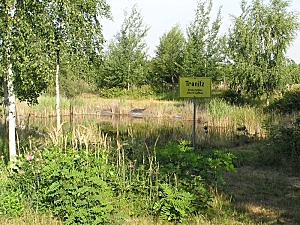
82,187
173,204
189,175
290,102
111,92
66,182
134,92
11,203
180,159
233,97
283,145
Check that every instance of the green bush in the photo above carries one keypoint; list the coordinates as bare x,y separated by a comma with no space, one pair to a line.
12,203
66,182
173,204
192,174
81,187
282,146
233,97
134,92
290,102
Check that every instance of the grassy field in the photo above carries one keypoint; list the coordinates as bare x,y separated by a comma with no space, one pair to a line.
256,194
266,194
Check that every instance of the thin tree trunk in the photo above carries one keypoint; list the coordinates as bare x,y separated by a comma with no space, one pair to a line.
268,99
128,72
58,122
11,115
10,89
173,83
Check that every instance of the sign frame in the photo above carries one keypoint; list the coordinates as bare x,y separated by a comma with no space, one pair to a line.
195,87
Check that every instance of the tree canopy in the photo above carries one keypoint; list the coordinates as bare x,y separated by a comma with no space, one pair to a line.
258,42
168,61
22,47
204,44
126,56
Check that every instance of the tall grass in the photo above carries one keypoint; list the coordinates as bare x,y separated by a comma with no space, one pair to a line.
30,217
172,118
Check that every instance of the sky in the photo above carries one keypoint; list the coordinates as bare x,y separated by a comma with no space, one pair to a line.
162,15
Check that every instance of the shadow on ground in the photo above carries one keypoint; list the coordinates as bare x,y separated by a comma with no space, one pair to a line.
267,195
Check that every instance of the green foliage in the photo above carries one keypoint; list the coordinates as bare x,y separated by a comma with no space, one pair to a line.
233,97
204,47
167,64
90,187
173,204
12,203
66,182
180,159
292,71
74,27
189,177
288,103
283,146
125,62
143,92
257,49
24,48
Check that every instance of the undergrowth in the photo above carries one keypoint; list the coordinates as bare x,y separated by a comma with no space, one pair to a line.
96,186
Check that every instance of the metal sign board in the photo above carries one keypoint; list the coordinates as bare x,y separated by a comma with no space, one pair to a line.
194,87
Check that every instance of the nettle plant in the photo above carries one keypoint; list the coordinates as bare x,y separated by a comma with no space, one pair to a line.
67,182
12,203
185,179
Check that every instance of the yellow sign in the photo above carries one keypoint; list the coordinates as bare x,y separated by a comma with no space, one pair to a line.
194,87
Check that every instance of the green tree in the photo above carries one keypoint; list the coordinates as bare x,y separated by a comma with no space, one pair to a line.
77,32
167,63
258,42
76,76
127,54
25,58
292,71
204,48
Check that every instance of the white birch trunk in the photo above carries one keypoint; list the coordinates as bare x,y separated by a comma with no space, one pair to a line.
128,73
10,90
11,115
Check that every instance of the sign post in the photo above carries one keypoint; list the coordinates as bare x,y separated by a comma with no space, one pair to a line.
194,87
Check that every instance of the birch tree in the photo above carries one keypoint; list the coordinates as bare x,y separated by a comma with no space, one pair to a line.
258,42
24,56
77,30
204,48
126,55
168,61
